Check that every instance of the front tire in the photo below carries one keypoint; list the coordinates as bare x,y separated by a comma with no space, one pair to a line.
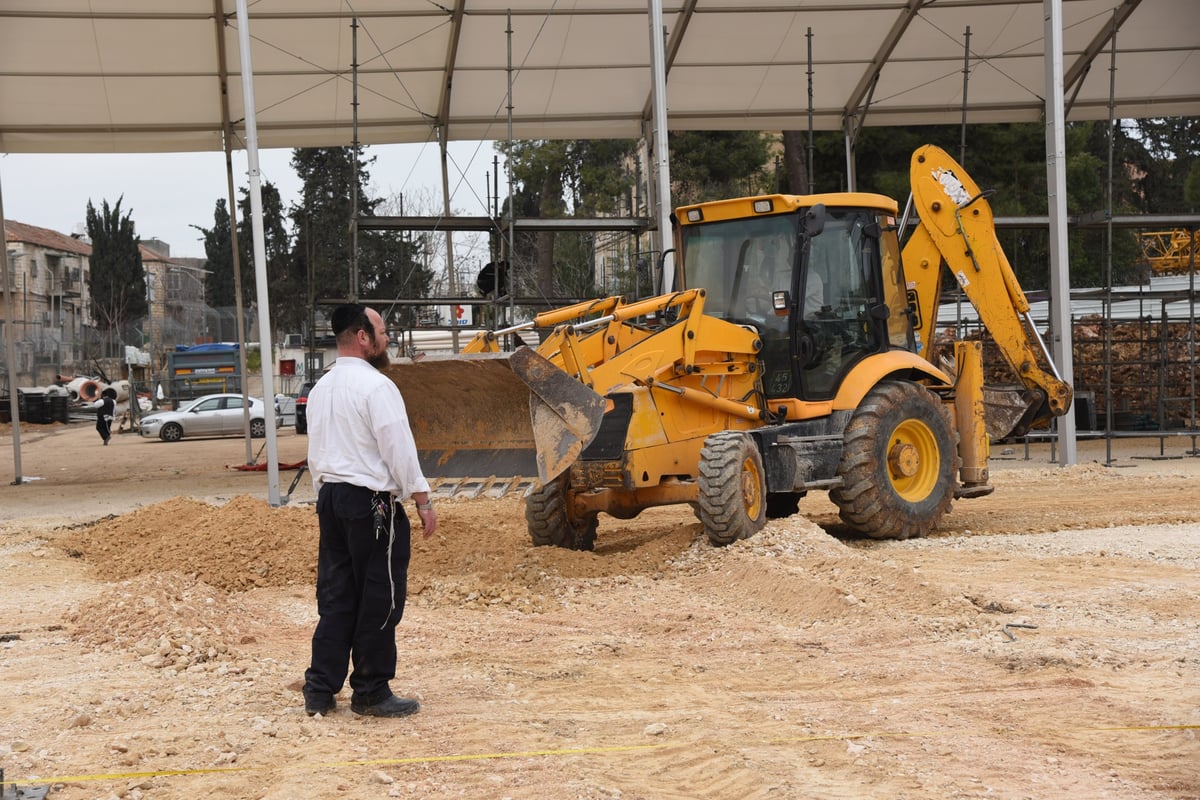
733,489
171,432
549,523
898,463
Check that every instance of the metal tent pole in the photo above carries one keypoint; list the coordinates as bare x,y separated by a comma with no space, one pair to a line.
1108,251
811,144
508,174
260,256
227,133
962,145
354,164
10,353
1056,180
662,161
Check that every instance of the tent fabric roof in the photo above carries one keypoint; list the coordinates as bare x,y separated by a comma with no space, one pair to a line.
148,76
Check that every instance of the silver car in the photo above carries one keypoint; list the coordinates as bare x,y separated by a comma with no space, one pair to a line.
210,415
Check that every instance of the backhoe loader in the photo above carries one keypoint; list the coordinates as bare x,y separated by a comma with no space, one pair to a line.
793,357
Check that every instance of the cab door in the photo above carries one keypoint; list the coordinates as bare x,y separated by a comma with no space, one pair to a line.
839,316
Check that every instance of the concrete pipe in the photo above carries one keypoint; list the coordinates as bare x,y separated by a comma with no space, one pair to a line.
122,387
73,387
89,391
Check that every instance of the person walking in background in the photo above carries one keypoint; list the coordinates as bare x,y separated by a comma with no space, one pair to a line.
106,411
364,464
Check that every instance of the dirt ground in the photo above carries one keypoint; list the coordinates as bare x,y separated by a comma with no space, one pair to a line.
155,617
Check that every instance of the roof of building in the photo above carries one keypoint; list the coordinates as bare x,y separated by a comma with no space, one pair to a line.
44,237
149,254
53,240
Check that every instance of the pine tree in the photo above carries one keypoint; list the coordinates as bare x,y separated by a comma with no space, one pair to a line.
322,218
218,250
116,279
284,289
559,178
387,263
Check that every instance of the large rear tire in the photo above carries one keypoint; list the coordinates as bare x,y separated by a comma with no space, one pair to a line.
898,463
733,489
549,523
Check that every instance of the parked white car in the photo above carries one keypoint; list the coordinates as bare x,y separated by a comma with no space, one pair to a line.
210,415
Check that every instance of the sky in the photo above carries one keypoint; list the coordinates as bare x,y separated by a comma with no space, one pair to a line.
169,192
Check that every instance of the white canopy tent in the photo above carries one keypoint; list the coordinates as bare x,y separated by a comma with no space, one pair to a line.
147,76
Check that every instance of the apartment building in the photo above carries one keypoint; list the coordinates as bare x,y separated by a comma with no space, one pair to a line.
48,276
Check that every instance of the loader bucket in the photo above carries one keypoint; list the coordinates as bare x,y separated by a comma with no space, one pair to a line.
494,422
1012,411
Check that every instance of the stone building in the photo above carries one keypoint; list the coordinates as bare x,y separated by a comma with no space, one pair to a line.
48,273
52,327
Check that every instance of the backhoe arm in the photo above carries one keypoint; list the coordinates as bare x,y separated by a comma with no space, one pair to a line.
957,228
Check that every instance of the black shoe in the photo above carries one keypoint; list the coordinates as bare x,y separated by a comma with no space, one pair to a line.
321,704
390,707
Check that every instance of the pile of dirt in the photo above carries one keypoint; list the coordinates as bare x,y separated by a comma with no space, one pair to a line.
169,621
236,546
480,558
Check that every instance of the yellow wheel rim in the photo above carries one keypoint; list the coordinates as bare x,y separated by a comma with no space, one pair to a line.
913,460
752,495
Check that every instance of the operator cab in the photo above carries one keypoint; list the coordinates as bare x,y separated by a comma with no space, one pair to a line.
819,279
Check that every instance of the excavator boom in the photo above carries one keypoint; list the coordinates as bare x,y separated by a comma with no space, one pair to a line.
957,228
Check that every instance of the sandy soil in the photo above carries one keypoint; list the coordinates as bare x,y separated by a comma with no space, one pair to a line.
155,617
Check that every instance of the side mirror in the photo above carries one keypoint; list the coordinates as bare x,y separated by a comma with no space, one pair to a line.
781,302
813,221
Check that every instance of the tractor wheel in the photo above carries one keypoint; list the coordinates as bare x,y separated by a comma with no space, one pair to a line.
549,523
783,504
898,463
733,488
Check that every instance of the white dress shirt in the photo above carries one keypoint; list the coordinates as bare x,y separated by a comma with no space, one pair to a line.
358,432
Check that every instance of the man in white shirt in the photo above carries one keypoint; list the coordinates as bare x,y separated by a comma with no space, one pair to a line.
364,463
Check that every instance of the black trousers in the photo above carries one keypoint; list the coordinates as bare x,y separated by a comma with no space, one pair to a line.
359,601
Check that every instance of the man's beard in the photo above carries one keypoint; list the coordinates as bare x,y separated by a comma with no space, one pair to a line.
380,359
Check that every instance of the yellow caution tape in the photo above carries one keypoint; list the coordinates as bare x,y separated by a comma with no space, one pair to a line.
574,751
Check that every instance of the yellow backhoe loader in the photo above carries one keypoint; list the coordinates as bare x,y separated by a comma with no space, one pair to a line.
793,357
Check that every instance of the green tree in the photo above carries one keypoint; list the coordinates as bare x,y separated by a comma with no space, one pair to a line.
322,217
1161,153
1191,187
218,250
795,163
553,179
711,165
387,263
116,279
283,287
